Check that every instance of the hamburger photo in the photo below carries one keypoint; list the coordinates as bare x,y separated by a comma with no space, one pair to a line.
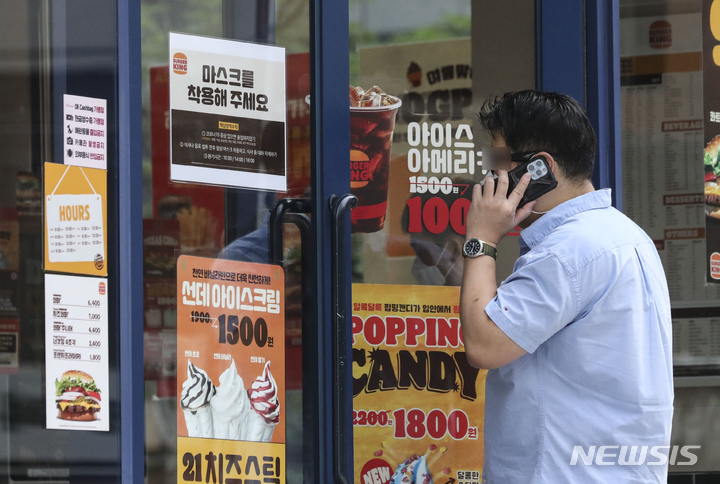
77,396
712,173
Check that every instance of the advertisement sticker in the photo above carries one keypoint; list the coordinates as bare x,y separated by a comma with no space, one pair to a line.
231,371
711,135
227,113
85,131
418,404
75,219
76,353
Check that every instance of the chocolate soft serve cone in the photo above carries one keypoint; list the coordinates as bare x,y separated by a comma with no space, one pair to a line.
197,391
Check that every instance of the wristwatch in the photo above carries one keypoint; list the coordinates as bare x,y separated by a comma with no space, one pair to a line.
474,247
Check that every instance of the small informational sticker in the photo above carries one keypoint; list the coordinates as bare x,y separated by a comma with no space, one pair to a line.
75,219
227,113
9,333
85,131
231,371
76,353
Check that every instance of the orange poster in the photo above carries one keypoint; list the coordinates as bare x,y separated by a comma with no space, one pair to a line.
231,369
75,220
418,404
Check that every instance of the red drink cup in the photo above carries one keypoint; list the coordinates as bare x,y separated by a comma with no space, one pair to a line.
371,131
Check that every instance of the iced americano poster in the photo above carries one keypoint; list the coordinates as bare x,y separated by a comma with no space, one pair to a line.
231,371
418,404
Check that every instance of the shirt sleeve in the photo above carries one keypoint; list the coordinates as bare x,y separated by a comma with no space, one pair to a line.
535,302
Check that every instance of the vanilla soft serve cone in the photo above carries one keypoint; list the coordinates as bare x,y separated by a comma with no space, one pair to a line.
230,406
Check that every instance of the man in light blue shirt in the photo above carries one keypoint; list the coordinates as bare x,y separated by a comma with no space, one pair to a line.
578,338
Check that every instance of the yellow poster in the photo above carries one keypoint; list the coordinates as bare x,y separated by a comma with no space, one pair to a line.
75,220
418,404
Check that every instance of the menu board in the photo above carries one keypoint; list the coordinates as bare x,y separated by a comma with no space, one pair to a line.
227,113
662,121
231,371
76,353
696,341
418,404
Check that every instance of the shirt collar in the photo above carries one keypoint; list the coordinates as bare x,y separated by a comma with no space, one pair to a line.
541,228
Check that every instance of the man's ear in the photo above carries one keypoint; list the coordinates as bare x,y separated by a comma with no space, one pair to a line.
550,161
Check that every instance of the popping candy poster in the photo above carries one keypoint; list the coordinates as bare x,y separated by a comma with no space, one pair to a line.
231,371
418,404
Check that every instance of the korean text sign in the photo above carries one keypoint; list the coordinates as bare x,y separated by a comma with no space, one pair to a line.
418,404
231,371
227,113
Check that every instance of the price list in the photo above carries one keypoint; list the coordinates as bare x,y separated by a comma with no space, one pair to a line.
76,341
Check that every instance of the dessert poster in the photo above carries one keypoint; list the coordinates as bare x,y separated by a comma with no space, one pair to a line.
227,113
418,404
231,371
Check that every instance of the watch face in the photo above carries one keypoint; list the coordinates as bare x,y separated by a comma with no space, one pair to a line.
472,247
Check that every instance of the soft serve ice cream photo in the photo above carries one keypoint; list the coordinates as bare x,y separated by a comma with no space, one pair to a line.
231,346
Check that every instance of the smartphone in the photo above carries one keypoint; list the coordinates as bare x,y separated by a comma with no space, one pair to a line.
542,179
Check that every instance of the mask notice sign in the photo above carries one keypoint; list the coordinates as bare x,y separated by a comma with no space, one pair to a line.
227,113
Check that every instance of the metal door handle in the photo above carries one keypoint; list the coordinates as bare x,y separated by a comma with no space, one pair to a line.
342,346
277,219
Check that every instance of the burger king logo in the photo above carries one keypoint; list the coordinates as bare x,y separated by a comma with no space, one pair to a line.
101,288
180,63
660,34
715,265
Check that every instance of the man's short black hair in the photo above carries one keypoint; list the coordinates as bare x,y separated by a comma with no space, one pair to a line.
544,121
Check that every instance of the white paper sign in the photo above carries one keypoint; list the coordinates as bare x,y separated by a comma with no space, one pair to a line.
75,227
85,131
76,353
227,113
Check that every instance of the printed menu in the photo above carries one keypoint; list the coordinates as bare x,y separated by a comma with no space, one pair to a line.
231,371
76,353
418,404
662,118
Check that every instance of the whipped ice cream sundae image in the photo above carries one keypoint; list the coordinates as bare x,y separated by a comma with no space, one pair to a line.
230,411
197,391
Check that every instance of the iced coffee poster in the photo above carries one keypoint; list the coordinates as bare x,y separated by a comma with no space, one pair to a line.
227,113
231,370
413,156
418,404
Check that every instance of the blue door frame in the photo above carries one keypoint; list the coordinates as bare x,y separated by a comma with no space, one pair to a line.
577,53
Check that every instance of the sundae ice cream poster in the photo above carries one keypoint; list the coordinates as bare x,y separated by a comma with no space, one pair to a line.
231,371
418,404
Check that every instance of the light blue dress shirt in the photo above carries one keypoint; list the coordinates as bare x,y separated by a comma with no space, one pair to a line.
588,301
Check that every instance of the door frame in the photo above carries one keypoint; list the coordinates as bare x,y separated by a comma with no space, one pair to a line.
590,73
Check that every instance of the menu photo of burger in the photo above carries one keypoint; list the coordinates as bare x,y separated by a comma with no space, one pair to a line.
712,176
77,397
